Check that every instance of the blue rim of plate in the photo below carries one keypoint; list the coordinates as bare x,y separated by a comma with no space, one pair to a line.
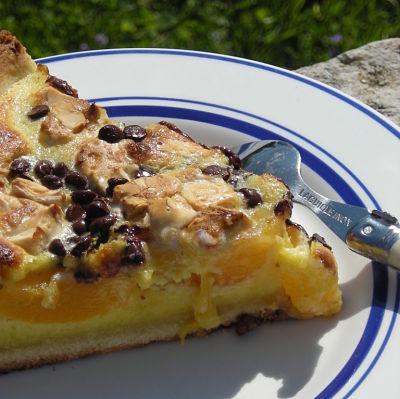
380,274
380,278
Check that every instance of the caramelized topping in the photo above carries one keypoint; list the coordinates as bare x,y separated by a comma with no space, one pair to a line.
162,179
100,161
24,188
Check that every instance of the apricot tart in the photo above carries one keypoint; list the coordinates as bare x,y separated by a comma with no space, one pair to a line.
114,236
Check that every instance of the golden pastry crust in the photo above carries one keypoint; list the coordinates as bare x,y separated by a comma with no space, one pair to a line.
243,324
15,63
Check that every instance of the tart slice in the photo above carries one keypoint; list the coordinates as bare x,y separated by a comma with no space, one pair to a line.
114,236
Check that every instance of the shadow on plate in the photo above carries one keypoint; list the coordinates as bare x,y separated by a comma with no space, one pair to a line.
214,367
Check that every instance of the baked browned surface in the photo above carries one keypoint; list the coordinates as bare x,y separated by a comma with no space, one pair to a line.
15,63
118,235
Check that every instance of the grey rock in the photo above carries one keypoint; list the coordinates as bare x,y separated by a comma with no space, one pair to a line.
370,73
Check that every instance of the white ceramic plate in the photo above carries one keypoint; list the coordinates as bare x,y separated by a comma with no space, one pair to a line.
350,153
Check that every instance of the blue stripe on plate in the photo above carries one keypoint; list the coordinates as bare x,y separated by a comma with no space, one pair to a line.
385,341
380,274
198,54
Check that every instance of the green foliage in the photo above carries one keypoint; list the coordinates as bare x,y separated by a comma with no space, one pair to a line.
288,33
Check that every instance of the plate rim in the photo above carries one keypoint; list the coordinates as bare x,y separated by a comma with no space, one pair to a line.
371,329
352,101
358,105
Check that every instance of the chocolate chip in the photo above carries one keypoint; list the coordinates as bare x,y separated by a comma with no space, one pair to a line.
97,209
102,238
62,86
83,197
216,170
79,226
43,168
38,112
253,197
134,254
134,132
56,247
19,167
60,169
82,245
112,183
144,171
84,275
234,159
76,180
52,181
75,212
102,224
111,134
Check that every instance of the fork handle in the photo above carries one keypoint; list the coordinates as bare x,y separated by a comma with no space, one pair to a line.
377,236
